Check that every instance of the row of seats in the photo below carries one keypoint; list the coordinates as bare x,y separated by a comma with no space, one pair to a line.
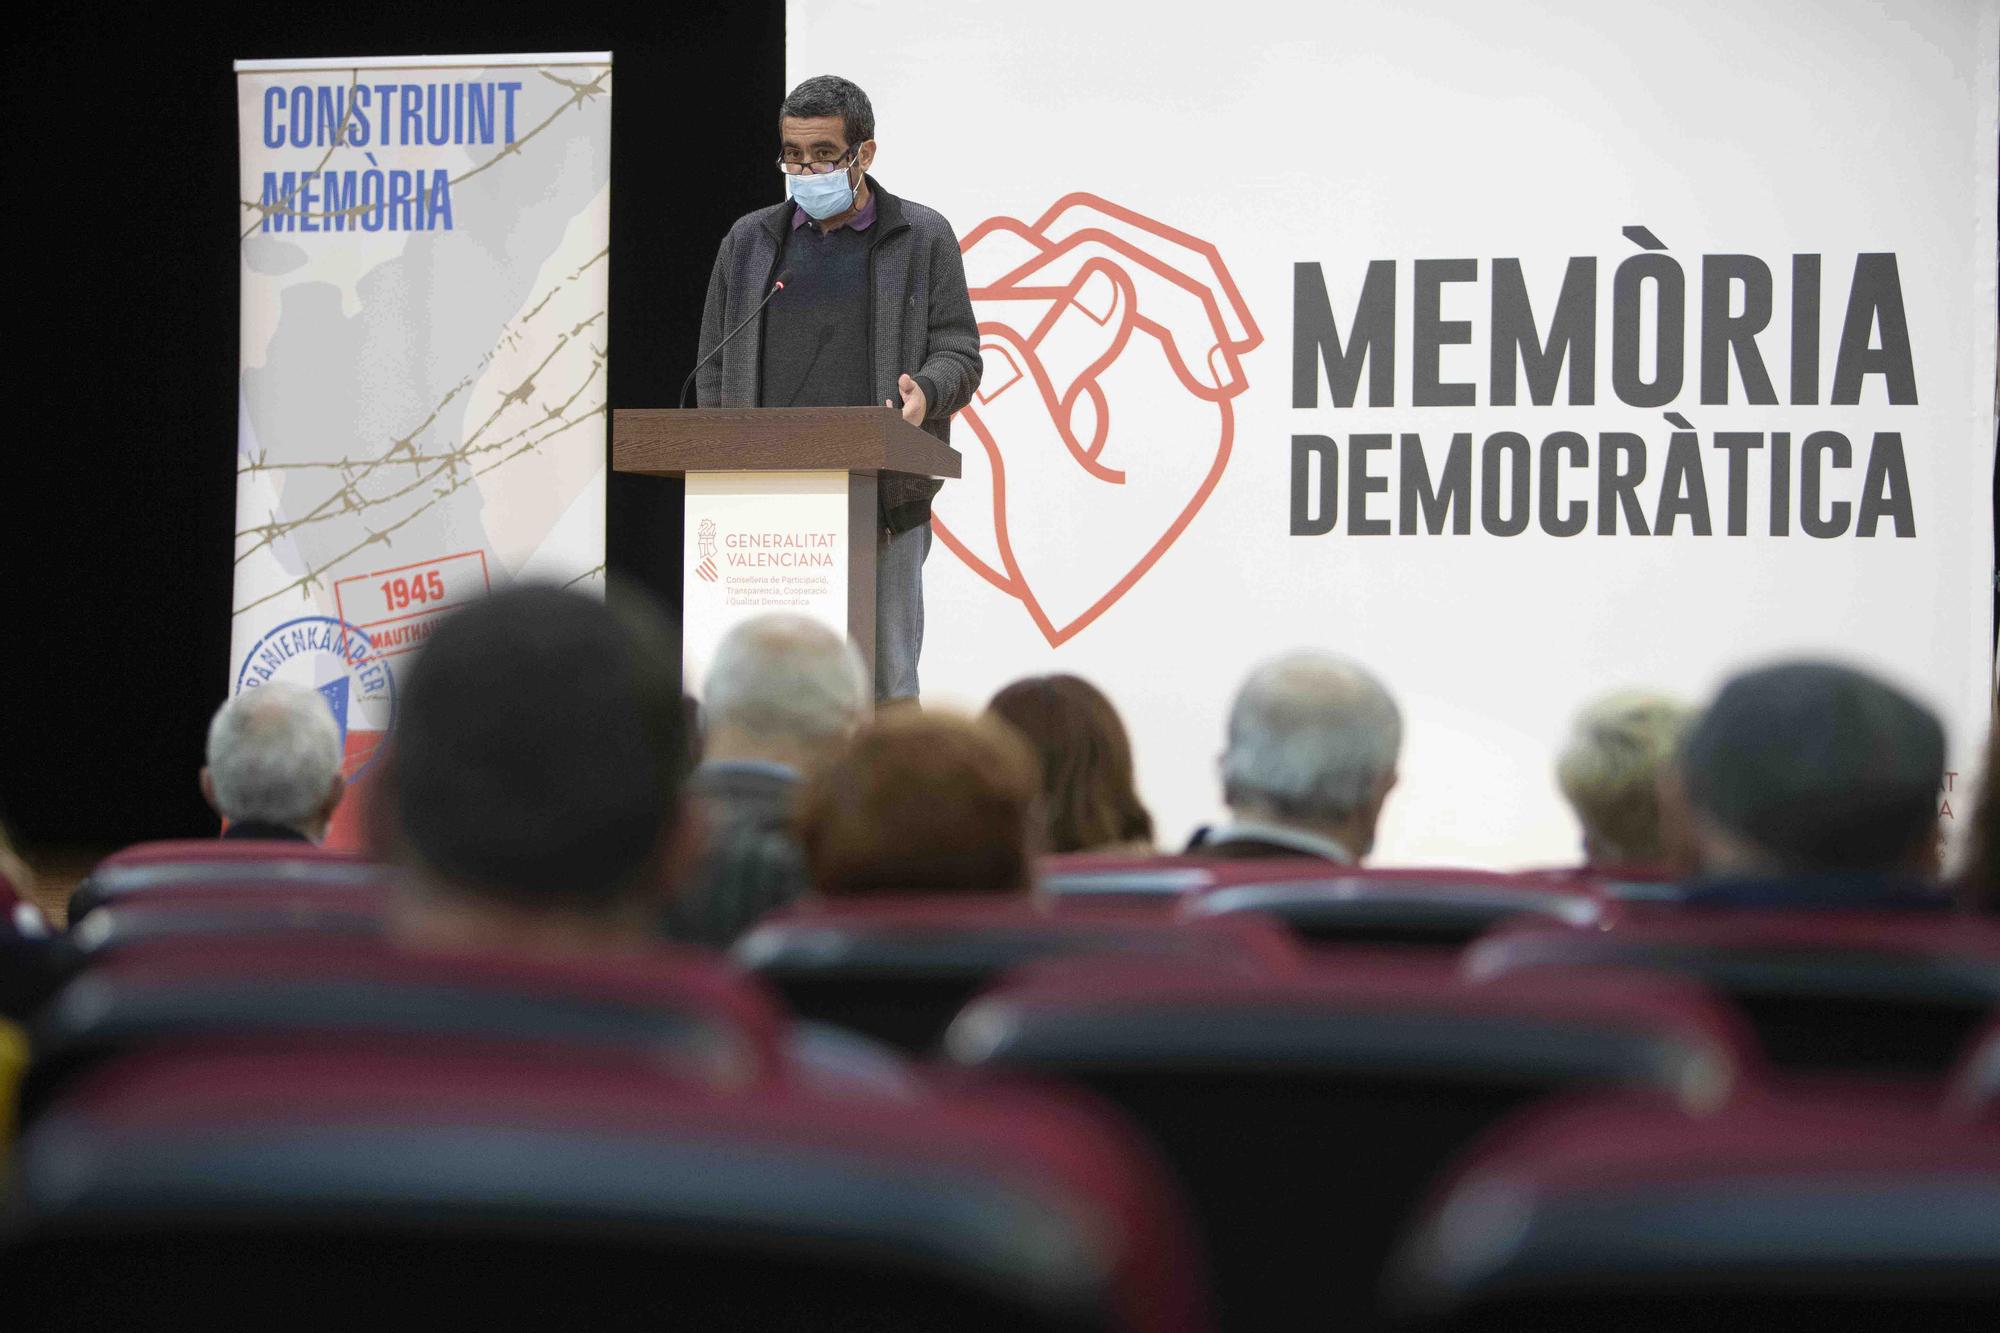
1882,992
241,1187
1138,1096
1829,990
1823,989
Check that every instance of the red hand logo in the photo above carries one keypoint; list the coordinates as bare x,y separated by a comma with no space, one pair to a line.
1089,316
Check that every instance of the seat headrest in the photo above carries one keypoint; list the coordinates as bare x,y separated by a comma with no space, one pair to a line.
149,867
1029,1195
688,1008
1452,906
942,936
1360,1012
1095,876
1860,1189
1886,954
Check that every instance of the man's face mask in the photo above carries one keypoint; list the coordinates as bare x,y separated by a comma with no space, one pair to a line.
822,197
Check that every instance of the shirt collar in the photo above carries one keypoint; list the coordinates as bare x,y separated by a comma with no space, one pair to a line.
861,221
1306,844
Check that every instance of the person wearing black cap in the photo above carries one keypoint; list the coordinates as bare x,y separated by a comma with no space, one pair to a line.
1809,784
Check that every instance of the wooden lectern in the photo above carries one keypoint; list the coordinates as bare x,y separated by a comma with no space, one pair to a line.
781,509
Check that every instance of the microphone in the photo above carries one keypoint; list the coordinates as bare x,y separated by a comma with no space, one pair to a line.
777,285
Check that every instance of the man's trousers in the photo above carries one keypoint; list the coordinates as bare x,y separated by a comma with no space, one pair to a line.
899,610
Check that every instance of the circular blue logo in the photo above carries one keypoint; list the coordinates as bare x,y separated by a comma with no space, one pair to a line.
334,658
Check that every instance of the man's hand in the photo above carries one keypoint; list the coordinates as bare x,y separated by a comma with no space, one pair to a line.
914,402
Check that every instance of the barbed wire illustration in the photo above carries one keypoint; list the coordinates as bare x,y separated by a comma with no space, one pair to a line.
313,577
448,471
509,337
346,499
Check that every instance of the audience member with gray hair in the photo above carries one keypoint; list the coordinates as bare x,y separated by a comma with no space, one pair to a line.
782,693
1811,784
782,689
1311,757
1609,771
273,767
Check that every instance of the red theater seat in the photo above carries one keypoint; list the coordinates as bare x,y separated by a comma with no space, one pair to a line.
151,866
1446,908
1848,1210
679,1011
899,968
1628,881
238,910
1306,1110
1096,878
1887,992
236,1190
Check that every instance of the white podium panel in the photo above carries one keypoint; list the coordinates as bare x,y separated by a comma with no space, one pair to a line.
760,542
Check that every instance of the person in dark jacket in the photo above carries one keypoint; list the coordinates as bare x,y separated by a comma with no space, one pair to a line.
874,310
782,693
535,793
1809,784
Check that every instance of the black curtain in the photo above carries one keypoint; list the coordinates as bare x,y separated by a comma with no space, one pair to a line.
118,502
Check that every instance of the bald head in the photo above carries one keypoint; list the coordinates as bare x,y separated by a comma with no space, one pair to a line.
1313,740
781,688
274,758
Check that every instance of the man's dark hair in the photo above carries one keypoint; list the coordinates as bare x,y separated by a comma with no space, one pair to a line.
539,749
831,95
1820,766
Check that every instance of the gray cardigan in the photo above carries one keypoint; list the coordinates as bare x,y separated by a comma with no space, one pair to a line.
918,310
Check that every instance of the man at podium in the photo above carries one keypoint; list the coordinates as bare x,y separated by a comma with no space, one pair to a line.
845,295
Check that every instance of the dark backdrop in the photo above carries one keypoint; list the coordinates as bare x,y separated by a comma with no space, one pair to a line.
118,503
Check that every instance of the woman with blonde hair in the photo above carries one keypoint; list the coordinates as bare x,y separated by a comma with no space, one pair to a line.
1619,748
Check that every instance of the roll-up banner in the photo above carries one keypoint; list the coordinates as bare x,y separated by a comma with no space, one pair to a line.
1521,351
425,252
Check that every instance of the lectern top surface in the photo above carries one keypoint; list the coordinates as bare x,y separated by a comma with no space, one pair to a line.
659,441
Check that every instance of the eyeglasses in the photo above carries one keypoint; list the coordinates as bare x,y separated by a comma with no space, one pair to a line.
818,166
